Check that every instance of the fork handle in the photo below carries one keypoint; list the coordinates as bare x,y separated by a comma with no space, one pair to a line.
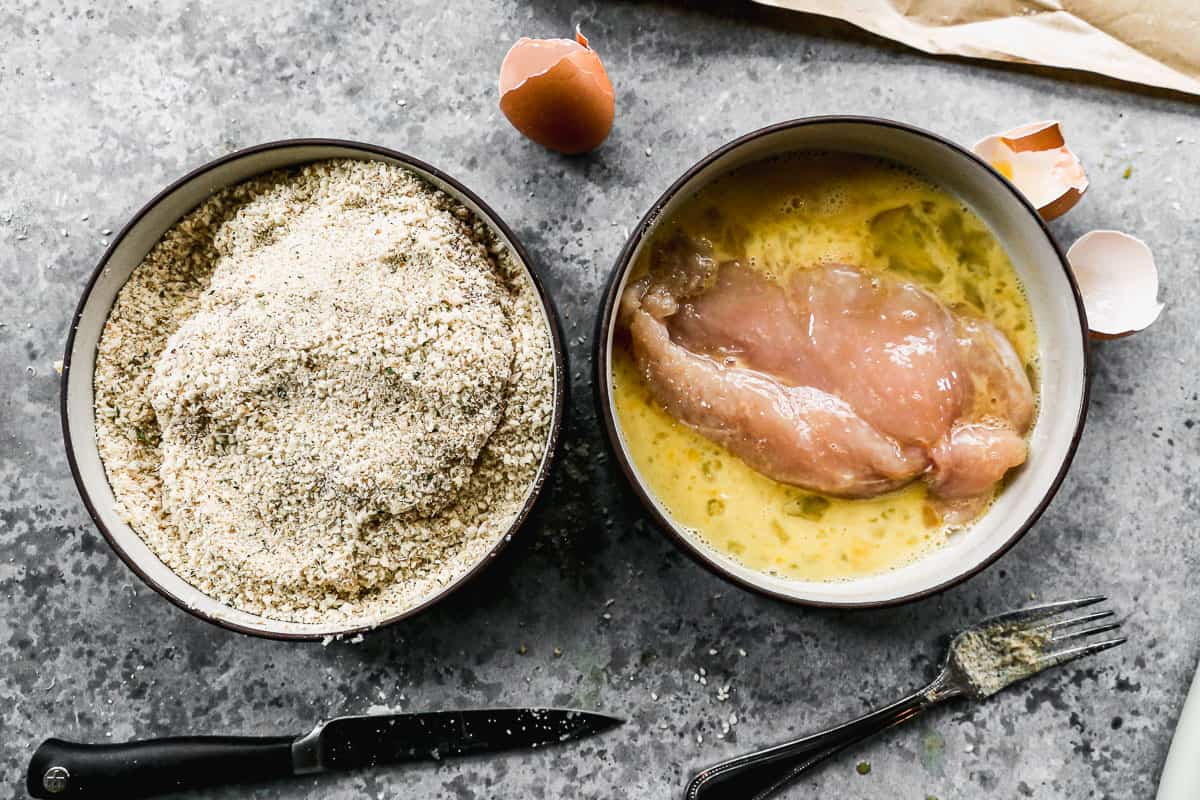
760,774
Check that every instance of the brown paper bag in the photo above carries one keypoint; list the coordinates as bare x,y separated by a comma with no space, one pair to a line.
1153,42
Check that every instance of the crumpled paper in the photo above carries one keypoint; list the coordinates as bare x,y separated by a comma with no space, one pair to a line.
1152,42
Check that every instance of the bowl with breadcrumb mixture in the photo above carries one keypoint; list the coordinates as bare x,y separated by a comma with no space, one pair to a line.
312,388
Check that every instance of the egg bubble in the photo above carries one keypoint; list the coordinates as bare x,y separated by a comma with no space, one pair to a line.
833,201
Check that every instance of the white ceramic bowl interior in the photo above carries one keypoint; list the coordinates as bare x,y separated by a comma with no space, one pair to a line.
127,251
1062,352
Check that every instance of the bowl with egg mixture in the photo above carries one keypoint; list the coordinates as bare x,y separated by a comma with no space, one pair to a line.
311,389
843,362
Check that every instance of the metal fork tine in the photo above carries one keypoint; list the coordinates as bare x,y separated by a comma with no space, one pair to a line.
1038,613
1070,654
1070,623
1063,637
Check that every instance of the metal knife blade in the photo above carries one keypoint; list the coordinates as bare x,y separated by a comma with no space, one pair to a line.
366,741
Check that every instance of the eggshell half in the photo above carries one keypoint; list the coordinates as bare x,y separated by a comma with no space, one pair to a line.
1118,280
1036,159
557,92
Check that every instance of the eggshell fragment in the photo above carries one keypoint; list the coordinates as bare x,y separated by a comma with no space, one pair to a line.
1036,159
556,92
1118,280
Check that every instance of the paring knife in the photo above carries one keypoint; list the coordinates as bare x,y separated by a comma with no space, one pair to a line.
61,769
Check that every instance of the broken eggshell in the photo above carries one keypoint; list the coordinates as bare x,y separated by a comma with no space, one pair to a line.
1118,280
556,92
1036,159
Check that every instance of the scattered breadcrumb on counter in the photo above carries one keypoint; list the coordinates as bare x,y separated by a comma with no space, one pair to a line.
325,393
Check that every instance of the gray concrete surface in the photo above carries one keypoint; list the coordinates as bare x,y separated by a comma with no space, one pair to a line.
102,105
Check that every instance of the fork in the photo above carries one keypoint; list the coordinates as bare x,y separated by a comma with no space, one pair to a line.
973,668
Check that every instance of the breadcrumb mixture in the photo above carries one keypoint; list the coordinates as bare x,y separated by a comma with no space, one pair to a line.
324,394
1000,654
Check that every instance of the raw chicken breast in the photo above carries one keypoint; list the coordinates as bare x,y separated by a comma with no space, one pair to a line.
886,348
833,380
973,456
795,434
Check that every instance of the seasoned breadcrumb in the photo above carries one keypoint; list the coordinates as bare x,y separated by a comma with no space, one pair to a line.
324,394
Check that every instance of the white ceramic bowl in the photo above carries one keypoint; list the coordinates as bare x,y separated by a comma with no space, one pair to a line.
1057,310
126,252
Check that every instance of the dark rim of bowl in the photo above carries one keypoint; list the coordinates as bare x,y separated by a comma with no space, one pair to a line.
604,367
556,422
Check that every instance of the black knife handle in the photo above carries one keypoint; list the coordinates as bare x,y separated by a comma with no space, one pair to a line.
61,769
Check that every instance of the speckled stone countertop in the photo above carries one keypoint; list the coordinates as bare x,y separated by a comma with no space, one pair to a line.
102,106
